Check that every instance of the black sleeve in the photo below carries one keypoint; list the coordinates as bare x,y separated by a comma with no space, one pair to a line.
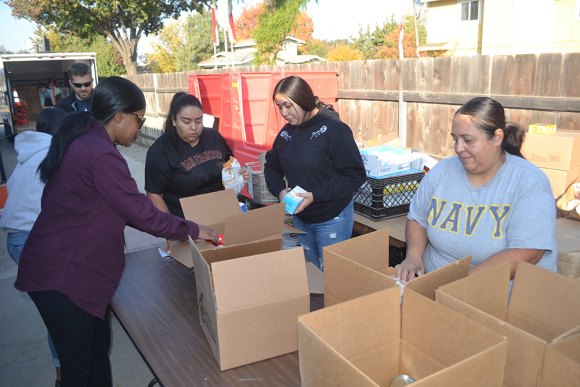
273,172
157,170
347,160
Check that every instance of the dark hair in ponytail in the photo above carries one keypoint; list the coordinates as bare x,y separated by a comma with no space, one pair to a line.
488,116
111,96
300,92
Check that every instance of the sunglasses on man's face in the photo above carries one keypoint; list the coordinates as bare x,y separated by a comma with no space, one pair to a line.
140,119
79,85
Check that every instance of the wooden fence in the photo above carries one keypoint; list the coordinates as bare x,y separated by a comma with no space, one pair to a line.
415,99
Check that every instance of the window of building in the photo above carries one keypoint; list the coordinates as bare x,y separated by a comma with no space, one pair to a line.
470,10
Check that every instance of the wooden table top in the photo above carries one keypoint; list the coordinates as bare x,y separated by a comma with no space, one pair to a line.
156,304
567,230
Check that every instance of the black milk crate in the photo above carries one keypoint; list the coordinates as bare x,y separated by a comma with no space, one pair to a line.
379,199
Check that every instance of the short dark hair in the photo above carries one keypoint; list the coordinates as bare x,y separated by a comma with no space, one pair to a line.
488,116
79,69
112,95
49,120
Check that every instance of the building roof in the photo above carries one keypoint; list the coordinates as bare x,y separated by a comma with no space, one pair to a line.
245,53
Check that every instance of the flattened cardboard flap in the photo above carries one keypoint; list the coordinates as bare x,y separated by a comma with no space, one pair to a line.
259,279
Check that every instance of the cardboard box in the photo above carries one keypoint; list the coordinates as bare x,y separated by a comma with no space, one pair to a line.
560,180
384,161
249,303
565,198
221,211
560,150
562,363
360,266
368,340
544,306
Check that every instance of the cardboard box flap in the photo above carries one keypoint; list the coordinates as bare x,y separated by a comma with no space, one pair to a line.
349,328
243,250
265,222
534,293
259,279
562,363
370,250
211,208
428,283
468,338
487,290
205,299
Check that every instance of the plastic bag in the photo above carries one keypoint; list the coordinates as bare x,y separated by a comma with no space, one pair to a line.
232,177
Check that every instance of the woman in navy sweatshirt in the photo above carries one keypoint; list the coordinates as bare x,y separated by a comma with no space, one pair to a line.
316,151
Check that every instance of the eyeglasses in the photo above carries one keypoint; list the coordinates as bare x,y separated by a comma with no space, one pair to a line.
140,119
80,85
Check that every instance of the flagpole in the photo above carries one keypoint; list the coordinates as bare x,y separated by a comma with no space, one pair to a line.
214,34
226,47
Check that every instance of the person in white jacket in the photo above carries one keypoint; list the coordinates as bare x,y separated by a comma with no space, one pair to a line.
25,189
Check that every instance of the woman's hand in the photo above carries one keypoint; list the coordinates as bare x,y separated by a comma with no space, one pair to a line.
308,199
409,268
246,174
208,234
283,193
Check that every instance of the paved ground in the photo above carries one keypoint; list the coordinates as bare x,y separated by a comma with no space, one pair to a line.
25,359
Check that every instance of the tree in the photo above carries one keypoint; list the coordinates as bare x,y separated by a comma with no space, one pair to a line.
122,22
182,44
248,22
344,52
274,25
109,61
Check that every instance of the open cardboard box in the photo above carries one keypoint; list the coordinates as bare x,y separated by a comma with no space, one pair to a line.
562,363
369,340
360,266
544,307
221,211
567,196
250,296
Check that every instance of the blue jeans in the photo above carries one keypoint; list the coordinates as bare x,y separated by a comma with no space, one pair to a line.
322,234
15,244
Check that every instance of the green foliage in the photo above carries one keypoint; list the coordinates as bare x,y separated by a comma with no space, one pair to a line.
316,47
121,21
109,61
182,44
383,42
275,24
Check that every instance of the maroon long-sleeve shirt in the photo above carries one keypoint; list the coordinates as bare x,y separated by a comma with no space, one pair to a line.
76,244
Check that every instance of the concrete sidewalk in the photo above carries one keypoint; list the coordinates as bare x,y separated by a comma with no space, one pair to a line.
25,359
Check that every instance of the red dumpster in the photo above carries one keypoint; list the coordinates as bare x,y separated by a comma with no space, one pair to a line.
248,119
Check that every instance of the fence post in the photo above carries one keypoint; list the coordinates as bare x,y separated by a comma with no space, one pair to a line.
155,87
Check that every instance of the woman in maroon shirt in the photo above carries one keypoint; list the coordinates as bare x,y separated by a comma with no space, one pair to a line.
73,259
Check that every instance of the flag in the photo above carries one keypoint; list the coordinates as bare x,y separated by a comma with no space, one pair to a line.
231,22
214,30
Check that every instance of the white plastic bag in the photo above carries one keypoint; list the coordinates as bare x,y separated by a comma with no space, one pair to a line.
232,177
